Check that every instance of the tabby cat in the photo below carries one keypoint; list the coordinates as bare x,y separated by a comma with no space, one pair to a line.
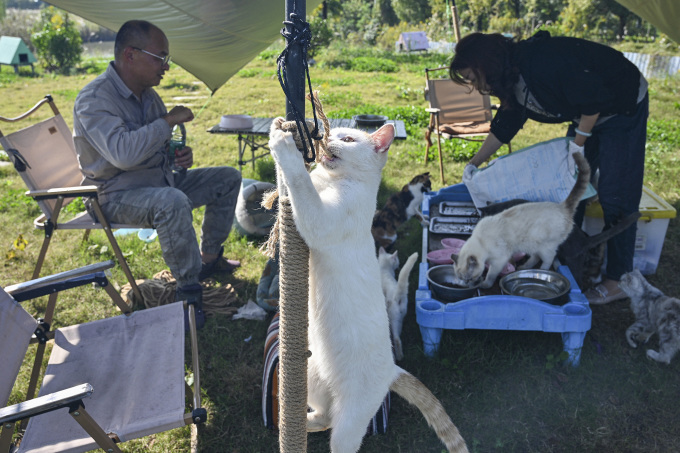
584,254
399,208
351,367
654,313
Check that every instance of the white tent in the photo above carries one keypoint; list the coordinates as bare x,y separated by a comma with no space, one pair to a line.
212,39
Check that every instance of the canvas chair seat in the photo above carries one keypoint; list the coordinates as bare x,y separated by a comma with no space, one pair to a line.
456,112
125,375
137,358
45,157
466,128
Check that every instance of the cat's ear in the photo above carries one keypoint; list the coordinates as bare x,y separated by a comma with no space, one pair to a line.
382,250
383,138
454,258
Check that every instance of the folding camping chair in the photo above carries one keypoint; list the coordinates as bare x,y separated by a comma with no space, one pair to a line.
45,157
128,371
455,113
51,286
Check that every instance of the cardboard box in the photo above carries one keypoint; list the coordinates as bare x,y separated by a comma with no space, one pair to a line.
651,228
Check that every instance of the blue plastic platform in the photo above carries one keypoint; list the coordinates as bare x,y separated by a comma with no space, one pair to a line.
496,312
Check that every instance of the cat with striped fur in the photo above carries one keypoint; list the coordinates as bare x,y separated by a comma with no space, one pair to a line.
654,313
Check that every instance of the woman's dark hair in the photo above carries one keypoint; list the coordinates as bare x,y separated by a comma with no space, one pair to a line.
490,58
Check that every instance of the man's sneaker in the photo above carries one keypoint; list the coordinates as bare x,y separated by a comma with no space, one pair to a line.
193,294
220,265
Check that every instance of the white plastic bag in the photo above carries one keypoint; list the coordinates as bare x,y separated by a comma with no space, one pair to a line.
542,172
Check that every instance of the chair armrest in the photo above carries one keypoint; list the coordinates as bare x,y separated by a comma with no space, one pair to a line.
433,110
80,191
46,403
59,282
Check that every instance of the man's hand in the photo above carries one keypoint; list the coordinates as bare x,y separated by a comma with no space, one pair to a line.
184,157
179,114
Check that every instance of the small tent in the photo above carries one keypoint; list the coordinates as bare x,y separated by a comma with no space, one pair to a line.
14,52
412,40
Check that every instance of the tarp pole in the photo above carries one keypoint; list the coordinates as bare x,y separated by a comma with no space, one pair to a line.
293,278
456,24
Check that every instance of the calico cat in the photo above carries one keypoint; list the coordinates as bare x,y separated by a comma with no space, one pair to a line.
351,367
584,254
399,208
654,313
396,293
536,229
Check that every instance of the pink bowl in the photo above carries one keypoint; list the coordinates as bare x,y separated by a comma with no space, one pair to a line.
453,243
441,256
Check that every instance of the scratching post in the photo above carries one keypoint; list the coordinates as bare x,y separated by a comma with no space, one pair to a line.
293,324
293,269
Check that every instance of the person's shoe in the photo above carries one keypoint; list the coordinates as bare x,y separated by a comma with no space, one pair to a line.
220,265
600,295
193,294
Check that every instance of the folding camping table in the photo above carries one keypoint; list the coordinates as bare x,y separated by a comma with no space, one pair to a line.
257,136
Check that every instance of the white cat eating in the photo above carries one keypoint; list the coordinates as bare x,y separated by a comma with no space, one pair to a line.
536,229
351,367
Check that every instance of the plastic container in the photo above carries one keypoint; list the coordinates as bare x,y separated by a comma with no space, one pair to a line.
178,140
496,312
651,228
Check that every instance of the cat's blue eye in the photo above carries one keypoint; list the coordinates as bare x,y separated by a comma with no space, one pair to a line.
347,139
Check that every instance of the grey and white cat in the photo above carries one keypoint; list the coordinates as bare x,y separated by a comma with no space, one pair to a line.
396,293
351,368
654,313
536,229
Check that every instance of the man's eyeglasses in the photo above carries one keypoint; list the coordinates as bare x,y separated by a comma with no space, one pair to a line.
164,60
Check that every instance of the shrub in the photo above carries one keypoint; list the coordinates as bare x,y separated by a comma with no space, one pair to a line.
372,64
57,41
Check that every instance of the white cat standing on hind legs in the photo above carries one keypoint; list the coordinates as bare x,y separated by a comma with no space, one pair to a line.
351,367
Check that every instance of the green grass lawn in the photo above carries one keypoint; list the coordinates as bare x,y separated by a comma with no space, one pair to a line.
499,387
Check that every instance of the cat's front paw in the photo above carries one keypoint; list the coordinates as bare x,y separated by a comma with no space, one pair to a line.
630,337
283,149
654,355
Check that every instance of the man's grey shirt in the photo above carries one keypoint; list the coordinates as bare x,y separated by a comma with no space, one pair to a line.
120,139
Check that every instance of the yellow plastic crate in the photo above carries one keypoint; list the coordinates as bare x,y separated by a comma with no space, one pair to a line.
651,228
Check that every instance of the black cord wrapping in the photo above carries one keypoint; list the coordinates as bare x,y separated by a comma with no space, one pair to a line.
301,34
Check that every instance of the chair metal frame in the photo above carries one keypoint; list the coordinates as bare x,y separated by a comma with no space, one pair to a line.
53,199
467,105
72,398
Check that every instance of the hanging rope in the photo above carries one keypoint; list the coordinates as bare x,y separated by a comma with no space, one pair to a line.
294,265
300,35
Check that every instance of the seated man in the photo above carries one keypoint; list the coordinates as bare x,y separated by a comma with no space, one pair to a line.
121,133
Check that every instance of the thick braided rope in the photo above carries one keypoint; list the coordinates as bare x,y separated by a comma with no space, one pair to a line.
293,325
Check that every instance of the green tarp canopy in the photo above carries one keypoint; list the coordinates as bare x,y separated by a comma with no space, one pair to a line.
663,14
212,39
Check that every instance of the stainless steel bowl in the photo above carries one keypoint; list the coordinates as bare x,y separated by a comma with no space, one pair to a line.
548,286
441,280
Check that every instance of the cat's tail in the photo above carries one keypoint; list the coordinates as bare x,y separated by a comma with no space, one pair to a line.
412,390
581,185
402,280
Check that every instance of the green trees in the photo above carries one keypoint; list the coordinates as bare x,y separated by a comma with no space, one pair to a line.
57,41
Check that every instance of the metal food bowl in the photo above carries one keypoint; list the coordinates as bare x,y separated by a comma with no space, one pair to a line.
441,280
548,286
370,120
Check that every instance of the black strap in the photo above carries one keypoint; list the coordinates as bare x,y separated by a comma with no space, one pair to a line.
301,34
19,161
